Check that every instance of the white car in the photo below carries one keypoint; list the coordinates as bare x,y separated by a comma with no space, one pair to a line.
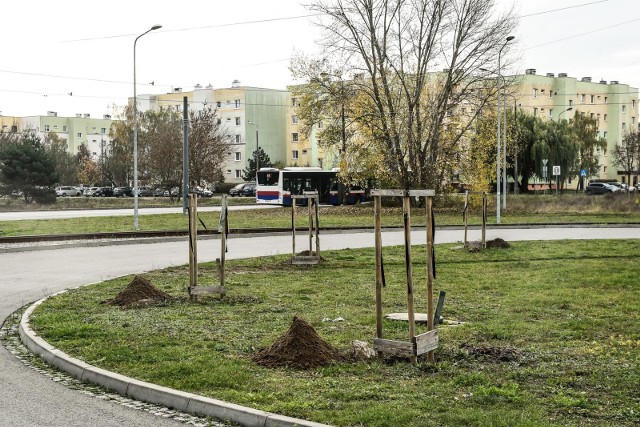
67,191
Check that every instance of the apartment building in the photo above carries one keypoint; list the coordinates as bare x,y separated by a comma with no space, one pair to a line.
250,116
10,124
613,104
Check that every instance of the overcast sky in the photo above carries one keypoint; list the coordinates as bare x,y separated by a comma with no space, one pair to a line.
85,48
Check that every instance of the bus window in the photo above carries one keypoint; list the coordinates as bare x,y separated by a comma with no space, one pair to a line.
268,178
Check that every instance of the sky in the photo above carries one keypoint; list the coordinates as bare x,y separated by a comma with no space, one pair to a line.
72,56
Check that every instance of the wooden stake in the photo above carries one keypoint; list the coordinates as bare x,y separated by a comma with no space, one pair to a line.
378,239
193,242
466,216
317,199
293,226
484,220
430,324
406,208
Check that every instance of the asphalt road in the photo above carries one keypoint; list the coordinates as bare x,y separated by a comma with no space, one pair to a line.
30,399
86,213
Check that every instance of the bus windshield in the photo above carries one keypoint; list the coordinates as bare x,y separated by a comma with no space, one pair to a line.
268,177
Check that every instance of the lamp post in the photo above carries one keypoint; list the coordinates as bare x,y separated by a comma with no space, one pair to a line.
135,131
498,148
257,150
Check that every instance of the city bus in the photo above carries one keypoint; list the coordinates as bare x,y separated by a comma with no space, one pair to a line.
275,186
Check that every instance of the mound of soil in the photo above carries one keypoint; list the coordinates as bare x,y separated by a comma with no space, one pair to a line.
493,354
300,348
139,292
497,243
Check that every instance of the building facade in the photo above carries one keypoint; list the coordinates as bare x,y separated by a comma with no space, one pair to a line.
613,104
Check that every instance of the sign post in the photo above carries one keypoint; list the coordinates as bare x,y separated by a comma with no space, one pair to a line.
556,173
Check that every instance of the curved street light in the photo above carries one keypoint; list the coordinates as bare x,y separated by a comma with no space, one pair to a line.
135,131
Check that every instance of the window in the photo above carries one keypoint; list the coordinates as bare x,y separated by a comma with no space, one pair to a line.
238,156
228,119
550,112
592,99
571,103
294,154
219,121
535,93
624,125
605,99
55,126
624,108
46,128
633,120
294,119
103,130
582,98
294,102
79,134
228,171
294,137
550,94
237,138
604,134
605,117
535,111
218,104
237,121
238,173
598,116
591,116
237,103
64,128
93,129
14,128
633,103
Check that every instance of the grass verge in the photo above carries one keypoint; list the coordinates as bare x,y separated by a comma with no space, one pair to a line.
522,210
551,336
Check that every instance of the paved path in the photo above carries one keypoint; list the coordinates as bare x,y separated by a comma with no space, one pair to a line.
29,399
86,213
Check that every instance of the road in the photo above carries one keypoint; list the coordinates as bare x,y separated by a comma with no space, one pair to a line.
30,399
86,213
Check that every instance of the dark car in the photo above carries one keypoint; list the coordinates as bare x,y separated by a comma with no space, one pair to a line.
201,192
600,188
237,190
103,192
249,190
122,192
159,192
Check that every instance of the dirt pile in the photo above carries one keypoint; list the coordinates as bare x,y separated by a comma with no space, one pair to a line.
139,292
300,348
497,243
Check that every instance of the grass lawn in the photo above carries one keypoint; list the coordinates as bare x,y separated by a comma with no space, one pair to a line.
551,336
532,209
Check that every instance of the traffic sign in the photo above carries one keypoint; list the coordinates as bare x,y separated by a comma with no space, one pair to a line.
544,161
556,170
583,172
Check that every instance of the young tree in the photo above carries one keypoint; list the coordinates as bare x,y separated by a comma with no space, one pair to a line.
627,154
249,174
584,132
26,166
162,137
88,170
118,159
394,46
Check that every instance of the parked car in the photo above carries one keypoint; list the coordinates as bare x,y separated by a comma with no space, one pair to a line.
237,190
145,192
600,188
88,191
202,192
249,190
67,191
159,192
122,192
103,192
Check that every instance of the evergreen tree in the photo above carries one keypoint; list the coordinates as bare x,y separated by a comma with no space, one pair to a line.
25,166
249,174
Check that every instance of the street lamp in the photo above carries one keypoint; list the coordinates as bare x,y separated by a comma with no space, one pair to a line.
509,38
562,112
257,149
135,132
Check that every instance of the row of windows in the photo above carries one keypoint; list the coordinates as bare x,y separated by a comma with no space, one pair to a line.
236,103
47,128
583,98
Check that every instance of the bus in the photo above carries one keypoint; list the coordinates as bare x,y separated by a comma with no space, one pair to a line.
275,186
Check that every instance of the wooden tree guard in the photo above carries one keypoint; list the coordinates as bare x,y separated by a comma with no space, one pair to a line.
313,257
223,227
484,217
417,344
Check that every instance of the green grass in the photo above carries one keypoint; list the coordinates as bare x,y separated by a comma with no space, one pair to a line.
551,336
521,210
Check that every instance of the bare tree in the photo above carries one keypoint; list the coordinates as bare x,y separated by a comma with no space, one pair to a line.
627,155
161,159
208,144
418,61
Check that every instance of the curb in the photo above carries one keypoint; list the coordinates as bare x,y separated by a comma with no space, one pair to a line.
151,393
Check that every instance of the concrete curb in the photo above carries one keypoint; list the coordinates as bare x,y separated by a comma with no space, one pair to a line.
151,393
